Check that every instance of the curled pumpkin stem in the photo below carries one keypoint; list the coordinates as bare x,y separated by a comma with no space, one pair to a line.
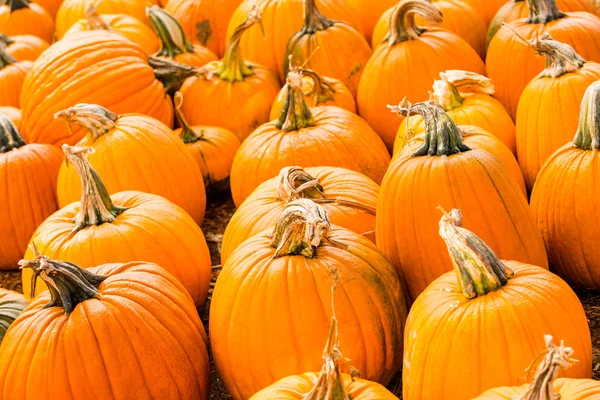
170,32
561,58
403,26
171,73
96,120
95,21
454,85
188,133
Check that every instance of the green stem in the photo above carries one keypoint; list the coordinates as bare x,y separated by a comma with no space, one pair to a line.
322,91
295,113
96,120
12,305
18,4
188,134
402,21
95,22
543,11
588,132
561,58
5,58
170,32
171,73
313,19
9,135
5,41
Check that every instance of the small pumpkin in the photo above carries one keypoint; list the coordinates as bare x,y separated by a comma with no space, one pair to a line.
322,136
174,44
393,72
212,147
28,174
12,75
348,197
23,47
139,327
544,121
51,6
126,226
145,148
318,91
22,17
236,94
471,310
290,268
445,171
13,114
11,305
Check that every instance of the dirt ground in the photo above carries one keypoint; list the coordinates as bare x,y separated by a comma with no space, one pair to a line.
217,216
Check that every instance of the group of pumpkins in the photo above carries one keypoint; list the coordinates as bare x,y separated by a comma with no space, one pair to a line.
119,118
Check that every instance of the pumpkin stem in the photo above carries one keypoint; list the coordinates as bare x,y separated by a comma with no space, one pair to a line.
170,32
96,120
588,133
321,90
478,270
232,67
5,40
95,21
455,85
5,58
68,283
295,113
10,137
17,4
96,206
403,26
543,11
561,58
171,73
442,136
188,134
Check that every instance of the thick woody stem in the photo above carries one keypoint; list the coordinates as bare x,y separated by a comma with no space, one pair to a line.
543,11
96,120
561,58
9,135
170,32
403,26
295,113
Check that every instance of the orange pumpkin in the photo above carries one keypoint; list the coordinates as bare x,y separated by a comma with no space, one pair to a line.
477,324
12,75
174,45
459,18
291,271
512,65
114,73
140,330
21,17
126,226
12,305
369,12
28,175
445,171
266,45
322,136
394,72
348,197
145,148
467,98
235,94
23,47
487,8
540,129
318,91
51,6
13,114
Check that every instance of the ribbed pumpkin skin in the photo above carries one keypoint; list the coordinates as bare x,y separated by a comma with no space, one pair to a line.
388,76
33,20
339,139
28,195
369,12
198,58
569,389
540,129
487,8
11,83
297,291
512,65
297,386
140,154
114,73
281,19
152,229
262,209
11,305
14,114
126,344
204,21
407,218
130,27
26,47
51,6
495,336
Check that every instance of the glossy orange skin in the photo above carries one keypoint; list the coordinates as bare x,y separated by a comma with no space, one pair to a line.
540,129
51,6
369,306
297,386
473,345
407,214
14,114
487,8
151,229
512,65
569,389
389,76
26,47
199,57
459,18
33,20
28,194
126,343
212,15
281,19
114,73
338,139
262,209
239,106
151,159
130,27
11,83
369,11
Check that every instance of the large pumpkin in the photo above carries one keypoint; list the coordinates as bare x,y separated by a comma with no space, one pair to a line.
108,69
233,93
546,116
291,273
134,152
12,75
12,305
395,72
348,197
512,65
126,226
445,171
479,326
22,17
127,330
28,175
23,47
322,136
